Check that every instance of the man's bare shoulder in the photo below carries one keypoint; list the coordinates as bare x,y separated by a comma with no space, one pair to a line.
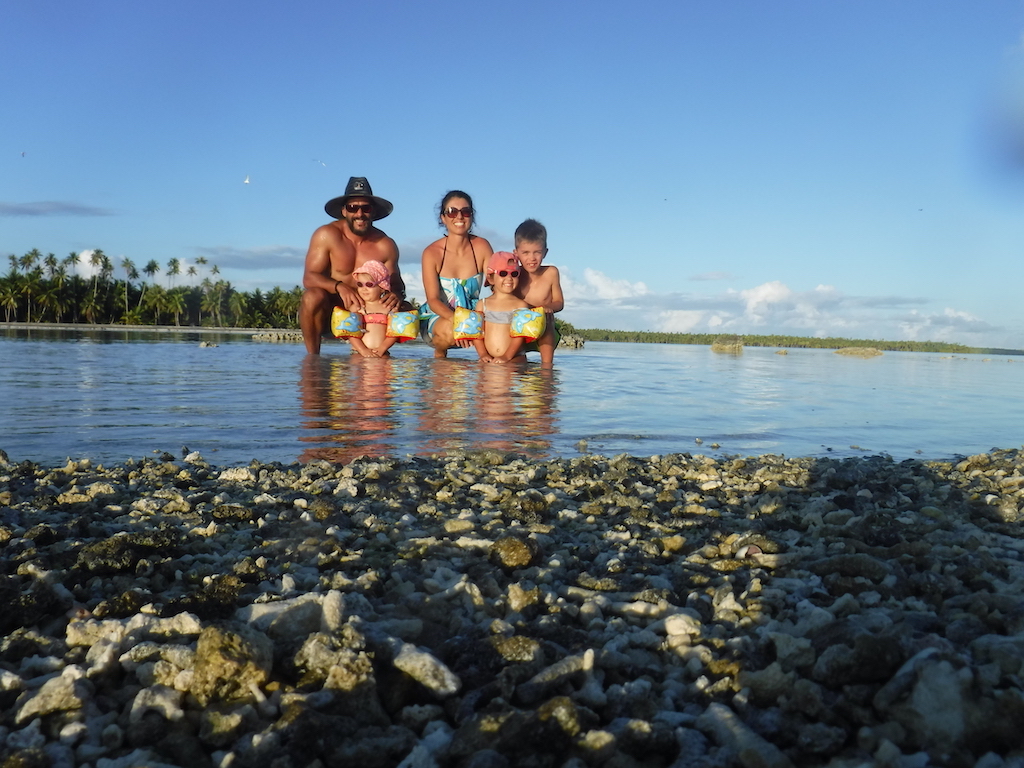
384,239
328,233
382,244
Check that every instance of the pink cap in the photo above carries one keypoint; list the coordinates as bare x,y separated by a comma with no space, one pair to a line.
377,272
503,260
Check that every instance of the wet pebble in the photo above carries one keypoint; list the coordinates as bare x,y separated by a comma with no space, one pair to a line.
484,609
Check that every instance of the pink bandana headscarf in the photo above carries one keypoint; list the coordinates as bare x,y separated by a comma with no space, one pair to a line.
377,272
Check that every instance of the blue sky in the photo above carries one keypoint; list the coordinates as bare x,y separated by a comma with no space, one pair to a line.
849,168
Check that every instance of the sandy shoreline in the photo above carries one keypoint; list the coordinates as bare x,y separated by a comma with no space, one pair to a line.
485,610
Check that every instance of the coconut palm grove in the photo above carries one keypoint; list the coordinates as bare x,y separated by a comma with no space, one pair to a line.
44,289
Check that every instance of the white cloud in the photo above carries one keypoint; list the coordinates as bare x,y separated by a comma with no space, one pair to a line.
762,300
769,308
52,208
597,300
264,257
680,320
950,323
712,276
597,285
83,267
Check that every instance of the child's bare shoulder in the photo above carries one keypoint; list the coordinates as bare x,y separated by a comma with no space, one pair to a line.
549,272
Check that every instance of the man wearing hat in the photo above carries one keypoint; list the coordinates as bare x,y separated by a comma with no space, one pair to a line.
336,250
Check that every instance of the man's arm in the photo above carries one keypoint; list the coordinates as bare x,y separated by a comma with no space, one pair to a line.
390,252
387,254
317,270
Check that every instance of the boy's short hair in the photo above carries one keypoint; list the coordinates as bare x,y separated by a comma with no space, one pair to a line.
532,231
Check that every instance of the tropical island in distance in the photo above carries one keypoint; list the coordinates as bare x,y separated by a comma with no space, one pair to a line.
779,340
40,289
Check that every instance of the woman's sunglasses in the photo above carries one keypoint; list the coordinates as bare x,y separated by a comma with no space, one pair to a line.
506,273
452,212
359,207
364,285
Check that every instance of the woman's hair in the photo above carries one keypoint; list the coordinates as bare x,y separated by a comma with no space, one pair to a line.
448,198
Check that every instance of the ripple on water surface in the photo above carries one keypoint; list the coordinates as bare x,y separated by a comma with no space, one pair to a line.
113,398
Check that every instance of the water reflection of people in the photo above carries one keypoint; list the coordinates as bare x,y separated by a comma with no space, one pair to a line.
352,398
354,406
447,407
517,408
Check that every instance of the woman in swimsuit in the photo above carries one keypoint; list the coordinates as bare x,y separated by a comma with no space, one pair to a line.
452,272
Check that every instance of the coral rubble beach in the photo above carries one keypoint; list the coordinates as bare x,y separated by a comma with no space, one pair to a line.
482,610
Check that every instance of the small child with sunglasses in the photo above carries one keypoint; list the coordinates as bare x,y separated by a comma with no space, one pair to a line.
377,324
498,345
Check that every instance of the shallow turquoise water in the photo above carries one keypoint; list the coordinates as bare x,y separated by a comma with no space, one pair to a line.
115,396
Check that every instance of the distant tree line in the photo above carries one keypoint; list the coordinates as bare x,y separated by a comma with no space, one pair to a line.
40,288
43,289
776,340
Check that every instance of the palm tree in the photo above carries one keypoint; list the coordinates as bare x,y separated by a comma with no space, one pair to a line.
290,303
130,273
70,261
28,261
175,304
96,260
212,301
151,268
52,299
90,307
106,272
173,268
30,286
9,292
155,302
237,305
51,265
192,274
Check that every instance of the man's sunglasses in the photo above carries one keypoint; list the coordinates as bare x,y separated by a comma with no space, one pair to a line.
506,273
452,212
359,207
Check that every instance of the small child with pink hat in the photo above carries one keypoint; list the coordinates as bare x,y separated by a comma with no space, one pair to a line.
500,342
374,331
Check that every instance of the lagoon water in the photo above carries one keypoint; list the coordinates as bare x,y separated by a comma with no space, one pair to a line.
111,396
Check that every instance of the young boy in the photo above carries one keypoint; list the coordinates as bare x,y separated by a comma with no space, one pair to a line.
497,345
539,285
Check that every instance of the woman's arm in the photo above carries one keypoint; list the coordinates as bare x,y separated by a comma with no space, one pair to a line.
483,252
432,283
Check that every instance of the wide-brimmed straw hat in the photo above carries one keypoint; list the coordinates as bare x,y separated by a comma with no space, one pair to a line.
358,186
